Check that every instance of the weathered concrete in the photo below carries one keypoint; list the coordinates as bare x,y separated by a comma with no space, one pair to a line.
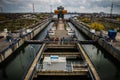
30,72
103,43
55,46
89,63
64,73
64,54
76,68
11,48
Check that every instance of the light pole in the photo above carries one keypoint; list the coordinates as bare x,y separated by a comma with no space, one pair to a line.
1,9
33,8
50,8
111,9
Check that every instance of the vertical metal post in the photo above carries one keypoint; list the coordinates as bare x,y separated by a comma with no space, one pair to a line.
50,8
1,9
33,8
111,9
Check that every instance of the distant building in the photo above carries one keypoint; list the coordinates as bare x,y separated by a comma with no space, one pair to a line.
102,14
28,16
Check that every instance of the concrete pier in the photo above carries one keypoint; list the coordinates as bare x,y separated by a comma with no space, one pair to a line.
115,52
89,63
64,54
62,50
31,70
20,41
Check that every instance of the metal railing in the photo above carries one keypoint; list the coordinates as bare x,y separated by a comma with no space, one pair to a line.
69,67
39,67
61,42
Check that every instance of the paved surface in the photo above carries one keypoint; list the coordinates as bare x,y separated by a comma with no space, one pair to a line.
61,32
4,43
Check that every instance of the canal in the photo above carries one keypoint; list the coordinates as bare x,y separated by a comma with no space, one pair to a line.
107,67
16,66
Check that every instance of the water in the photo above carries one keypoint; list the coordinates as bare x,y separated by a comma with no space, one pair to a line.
16,66
107,67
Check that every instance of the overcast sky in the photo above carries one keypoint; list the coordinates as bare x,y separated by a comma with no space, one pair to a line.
83,6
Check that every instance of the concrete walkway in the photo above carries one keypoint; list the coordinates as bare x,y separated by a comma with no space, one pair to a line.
60,25
61,32
4,43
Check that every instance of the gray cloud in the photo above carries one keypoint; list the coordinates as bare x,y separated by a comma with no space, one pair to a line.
70,5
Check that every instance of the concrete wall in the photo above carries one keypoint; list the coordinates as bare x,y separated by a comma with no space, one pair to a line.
10,49
103,43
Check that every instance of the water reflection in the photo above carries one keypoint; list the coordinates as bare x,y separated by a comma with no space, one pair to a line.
16,66
104,63
107,67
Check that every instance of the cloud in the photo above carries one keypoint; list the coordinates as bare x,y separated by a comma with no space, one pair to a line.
70,5
82,7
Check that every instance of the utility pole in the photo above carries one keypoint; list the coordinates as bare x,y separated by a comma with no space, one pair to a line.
33,8
1,9
50,8
111,9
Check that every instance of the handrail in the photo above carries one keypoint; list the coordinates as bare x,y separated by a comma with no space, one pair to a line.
62,42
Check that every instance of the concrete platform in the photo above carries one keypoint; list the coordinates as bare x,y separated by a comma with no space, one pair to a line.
63,54
60,46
